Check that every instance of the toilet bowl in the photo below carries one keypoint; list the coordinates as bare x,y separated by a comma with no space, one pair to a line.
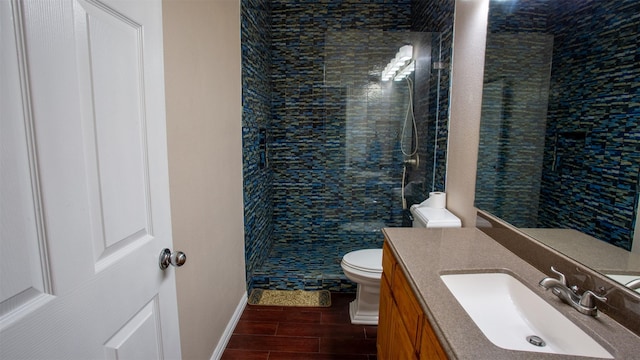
364,267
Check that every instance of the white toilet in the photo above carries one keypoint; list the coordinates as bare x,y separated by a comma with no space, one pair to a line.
364,267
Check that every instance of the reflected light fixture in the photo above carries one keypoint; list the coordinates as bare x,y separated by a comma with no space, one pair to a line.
401,66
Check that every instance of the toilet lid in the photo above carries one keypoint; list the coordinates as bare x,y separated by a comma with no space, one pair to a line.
435,218
366,260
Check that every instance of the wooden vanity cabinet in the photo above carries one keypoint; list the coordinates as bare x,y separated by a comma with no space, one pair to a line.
403,330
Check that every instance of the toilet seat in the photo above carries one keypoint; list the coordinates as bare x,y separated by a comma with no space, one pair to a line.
366,260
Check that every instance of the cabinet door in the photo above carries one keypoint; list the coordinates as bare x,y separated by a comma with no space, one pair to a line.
384,318
393,342
400,343
430,348
388,262
409,310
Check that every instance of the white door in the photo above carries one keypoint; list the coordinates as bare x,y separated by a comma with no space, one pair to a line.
84,186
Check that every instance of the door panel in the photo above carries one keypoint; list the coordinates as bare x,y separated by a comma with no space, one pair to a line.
87,207
143,328
110,54
24,276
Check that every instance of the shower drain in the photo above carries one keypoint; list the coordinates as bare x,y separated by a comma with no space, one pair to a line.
536,341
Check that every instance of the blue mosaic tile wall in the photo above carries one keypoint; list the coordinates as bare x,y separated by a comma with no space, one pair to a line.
256,119
594,110
329,184
591,160
324,206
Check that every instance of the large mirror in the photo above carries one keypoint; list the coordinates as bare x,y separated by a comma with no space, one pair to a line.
559,152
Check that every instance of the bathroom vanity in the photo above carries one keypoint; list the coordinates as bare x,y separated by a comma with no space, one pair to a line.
421,319
404,332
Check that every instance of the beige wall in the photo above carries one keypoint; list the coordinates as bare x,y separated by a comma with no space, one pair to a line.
203,97
469,38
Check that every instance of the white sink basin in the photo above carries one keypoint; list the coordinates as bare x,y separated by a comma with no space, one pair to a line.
508,312
624,279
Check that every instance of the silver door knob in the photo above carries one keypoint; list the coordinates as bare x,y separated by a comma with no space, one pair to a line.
176,258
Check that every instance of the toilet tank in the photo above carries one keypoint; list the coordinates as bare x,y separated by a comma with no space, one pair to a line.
426,217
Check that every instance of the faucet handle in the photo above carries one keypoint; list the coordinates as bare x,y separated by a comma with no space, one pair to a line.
587,297
561,276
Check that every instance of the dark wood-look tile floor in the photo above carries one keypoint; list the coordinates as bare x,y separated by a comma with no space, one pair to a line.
300,333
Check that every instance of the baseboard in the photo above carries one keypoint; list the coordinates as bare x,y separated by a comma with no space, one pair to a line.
228,331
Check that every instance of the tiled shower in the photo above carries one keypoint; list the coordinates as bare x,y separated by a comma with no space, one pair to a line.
322,135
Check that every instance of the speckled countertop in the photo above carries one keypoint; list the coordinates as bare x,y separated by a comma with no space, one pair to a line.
425,254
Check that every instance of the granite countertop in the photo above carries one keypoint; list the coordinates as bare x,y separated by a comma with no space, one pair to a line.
425,254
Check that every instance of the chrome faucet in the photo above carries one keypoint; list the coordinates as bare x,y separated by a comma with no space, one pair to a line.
584,303
633,284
